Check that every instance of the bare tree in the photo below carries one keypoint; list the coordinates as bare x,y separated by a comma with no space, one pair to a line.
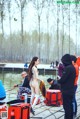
63,28
9,11
58,9
47,18
69,29
2,14
39,4
21,4
76,6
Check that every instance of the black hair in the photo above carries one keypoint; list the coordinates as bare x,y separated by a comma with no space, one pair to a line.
73,58
30,67
49,80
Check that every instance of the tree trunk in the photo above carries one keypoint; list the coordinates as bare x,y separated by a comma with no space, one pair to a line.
10,31
2,28
22,37
58,32
76,32
48,47
39,36
63,31
69,30
2,16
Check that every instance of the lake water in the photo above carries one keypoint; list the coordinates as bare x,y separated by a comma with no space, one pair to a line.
10,79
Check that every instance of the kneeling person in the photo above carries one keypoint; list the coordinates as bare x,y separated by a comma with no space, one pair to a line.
54,84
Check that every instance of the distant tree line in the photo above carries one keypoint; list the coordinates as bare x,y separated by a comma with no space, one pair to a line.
49,39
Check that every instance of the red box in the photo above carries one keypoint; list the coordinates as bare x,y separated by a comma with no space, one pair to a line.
3,109
19,111
53,97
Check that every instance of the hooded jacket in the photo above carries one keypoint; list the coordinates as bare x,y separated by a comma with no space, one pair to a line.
69,75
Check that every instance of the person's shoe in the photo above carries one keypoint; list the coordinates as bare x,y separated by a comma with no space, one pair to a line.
32,111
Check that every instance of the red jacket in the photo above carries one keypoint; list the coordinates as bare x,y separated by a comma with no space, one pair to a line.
77,73
78,61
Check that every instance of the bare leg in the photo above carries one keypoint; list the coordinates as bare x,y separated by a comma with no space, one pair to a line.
32,94
35,100
36,95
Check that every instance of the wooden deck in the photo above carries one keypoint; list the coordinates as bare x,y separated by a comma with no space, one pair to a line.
44,69
48,112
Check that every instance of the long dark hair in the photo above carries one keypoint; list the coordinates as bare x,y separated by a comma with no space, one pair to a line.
30,67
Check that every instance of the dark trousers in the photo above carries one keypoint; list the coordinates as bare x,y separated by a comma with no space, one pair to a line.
23,90
1,99
67,105
74,101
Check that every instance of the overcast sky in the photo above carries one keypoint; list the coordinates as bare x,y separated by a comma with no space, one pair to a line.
31,23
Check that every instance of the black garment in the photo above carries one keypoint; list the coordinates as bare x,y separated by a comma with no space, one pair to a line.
18,101
68,77
1,103
15,101
55,86
26,83
67,86
57,63
24,88
68,106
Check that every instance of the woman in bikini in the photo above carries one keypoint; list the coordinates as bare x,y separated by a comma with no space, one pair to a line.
34,82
